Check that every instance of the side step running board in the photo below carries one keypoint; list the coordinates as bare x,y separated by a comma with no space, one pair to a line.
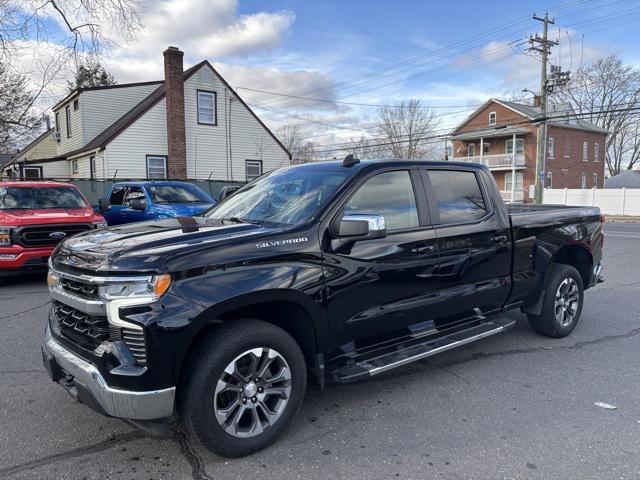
374,366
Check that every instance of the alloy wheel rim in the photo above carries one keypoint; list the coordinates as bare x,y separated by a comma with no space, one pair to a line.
566,302
252,392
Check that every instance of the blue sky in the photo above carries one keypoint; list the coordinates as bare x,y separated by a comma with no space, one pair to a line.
451,55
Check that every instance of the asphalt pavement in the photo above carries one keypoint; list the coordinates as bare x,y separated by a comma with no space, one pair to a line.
513,406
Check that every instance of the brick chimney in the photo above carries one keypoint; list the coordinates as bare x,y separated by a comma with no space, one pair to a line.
174,89
537,100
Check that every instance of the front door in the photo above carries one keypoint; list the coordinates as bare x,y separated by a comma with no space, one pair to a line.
383,288
474,243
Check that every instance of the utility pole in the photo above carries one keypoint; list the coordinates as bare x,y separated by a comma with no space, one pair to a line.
542,45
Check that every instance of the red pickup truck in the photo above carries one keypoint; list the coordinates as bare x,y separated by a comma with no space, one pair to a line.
34,218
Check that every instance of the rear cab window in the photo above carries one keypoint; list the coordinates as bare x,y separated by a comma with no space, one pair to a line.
458,196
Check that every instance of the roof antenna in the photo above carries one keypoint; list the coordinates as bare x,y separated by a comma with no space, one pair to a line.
350,160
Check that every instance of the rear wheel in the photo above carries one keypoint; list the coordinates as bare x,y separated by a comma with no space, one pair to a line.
246,383
562,304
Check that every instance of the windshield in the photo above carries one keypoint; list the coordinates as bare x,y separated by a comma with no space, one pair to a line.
290,197
18,198
178,194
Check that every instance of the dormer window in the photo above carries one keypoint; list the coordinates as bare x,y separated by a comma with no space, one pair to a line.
492,118
67,112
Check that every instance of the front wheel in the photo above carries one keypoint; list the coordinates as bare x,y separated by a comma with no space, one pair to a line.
562,304
245,384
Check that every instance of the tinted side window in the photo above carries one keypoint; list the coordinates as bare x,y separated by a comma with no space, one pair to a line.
458,195
389,194
117,194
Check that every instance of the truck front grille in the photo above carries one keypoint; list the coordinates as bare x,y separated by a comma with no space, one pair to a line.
84,330
48,235
82,289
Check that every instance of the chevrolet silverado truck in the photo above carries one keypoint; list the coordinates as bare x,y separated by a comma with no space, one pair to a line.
323,272
34,218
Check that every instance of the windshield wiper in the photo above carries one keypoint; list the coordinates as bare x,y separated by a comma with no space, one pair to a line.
239,220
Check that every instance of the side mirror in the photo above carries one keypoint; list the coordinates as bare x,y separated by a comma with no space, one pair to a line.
362,227
104,205
137,204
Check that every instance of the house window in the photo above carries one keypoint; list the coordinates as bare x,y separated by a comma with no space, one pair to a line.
67,112
207,108
492,118
31,173
486,147
74,166
519,148
583,182
519,181
156,167
471,150
76,104
595,180
551,147
596,152
567,147
58,122
253,169
549,180
585,151
92,166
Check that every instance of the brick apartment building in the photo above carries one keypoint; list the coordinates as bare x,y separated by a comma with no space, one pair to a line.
574,157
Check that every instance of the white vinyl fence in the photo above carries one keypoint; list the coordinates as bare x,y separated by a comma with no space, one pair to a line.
612,201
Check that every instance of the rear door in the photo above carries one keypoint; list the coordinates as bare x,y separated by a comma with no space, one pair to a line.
382,288
473,240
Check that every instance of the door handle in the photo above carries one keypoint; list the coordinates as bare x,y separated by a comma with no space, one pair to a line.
422,249
498,239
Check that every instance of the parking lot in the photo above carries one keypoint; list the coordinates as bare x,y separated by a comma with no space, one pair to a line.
512,406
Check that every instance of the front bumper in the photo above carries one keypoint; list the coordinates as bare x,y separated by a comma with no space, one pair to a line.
85,383
16,260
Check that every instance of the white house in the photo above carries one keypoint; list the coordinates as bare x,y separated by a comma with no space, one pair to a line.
191,125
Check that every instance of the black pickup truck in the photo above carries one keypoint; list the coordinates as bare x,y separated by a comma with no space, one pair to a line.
333,271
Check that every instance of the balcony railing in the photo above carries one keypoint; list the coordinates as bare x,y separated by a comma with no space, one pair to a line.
518,195
493,161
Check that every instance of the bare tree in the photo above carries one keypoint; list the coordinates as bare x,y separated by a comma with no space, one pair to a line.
308,152
18,120
364,147
607,92
406,128
291,138
82,23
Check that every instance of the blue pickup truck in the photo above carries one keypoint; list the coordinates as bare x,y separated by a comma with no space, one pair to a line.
150,200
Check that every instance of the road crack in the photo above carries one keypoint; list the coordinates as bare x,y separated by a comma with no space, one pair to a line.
25,311
76,452
194,459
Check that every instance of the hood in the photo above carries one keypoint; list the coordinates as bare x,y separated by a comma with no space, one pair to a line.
181,209
157,246
17,217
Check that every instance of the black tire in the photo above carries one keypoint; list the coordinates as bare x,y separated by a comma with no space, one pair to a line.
216,351
547,323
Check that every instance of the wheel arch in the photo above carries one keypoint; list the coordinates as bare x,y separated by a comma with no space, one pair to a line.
294,312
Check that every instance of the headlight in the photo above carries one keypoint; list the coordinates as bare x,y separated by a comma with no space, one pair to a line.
5,236
151,290
52,279
100,224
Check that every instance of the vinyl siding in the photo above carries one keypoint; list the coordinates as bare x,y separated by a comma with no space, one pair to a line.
207,144
45,148
127,153
101,108
77,138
